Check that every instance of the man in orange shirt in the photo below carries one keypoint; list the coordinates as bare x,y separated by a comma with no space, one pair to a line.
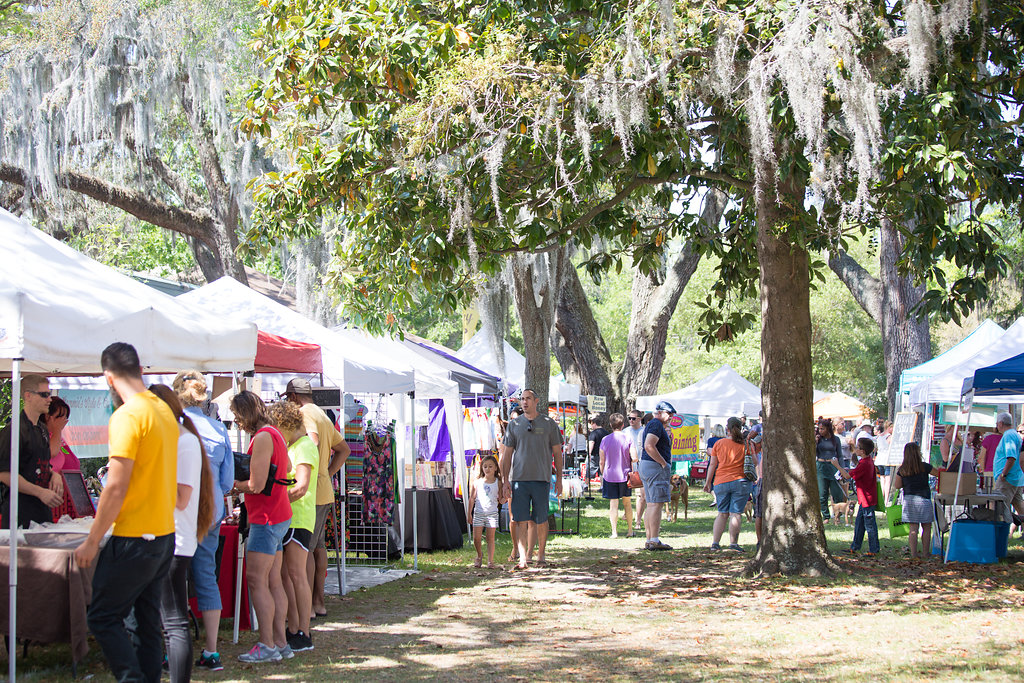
138,500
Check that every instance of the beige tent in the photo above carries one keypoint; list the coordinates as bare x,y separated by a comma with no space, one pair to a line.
838,404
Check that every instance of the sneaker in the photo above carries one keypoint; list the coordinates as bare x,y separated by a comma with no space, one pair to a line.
851,551
715,546
736,547
211,663
869,554
649,545
260,653
661,546
299,642
286,652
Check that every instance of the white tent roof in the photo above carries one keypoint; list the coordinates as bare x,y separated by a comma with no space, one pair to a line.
723,392
59,309
479,352
348,362
983,336
431,379
945,387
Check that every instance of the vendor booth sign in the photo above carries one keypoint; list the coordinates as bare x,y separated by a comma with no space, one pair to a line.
685,438
90,412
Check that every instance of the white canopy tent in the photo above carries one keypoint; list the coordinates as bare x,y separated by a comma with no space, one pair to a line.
349,363
59,309
479,352
722,393
946,386
983,336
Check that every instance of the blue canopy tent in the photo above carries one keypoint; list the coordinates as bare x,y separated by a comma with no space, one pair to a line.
1000,379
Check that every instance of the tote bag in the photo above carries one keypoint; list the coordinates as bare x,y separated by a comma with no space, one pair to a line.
897,527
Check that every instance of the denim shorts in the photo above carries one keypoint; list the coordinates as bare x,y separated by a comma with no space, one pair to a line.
732,496
657,481
204,571
267,538
527,494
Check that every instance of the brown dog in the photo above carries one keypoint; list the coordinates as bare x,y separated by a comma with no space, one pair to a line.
844,511
680,491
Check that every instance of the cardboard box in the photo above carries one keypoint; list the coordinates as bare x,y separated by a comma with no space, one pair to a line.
968,483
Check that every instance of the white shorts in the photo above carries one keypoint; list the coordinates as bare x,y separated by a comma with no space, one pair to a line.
485,519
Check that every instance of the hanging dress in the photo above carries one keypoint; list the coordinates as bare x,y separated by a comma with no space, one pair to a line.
378,478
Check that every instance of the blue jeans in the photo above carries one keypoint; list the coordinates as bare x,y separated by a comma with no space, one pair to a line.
130,573
204,571
865,521
827,483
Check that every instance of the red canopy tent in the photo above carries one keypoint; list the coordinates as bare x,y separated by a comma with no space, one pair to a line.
278,354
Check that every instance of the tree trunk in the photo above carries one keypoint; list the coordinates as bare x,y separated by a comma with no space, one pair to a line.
536,281
889,300
580,347
794,538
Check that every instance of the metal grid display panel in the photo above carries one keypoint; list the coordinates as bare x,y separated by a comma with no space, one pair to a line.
367,544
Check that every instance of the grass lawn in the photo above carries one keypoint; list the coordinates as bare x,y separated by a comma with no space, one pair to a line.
608,610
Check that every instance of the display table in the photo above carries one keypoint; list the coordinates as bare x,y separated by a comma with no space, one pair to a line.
226,580
53,596
440,519
969,501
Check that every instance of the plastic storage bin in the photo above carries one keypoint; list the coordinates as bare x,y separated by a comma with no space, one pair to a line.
974,541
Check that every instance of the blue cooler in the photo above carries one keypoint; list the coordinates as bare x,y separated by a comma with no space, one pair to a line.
974,541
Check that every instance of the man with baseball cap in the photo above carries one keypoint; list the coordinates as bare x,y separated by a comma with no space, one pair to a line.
656,472
333,452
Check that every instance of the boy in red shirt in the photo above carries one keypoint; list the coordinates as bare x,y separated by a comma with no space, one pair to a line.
864,478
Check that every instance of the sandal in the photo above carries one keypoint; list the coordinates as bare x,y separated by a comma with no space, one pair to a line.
477,563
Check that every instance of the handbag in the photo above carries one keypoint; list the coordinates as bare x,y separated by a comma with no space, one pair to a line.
242,473
633,480
749,464
894,517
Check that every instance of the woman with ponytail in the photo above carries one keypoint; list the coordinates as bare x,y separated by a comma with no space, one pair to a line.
732,489
193,513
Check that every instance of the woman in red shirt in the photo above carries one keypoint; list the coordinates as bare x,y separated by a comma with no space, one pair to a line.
732,489
270,515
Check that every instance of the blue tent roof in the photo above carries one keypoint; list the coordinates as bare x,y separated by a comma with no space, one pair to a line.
1003,378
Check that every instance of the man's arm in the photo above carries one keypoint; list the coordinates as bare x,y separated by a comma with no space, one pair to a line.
556,454
651,448
119,473
505,464
339,455
49,497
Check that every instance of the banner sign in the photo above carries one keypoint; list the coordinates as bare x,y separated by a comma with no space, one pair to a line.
86,432
685,432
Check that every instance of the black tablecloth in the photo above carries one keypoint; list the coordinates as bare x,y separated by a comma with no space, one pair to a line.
441,520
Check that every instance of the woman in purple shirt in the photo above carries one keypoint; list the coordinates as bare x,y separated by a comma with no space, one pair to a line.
615,464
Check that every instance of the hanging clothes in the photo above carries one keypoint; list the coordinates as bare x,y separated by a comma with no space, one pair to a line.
379,476
354,439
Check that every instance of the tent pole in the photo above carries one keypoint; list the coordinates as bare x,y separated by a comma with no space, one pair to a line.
240,554
12,613
956,491
412,454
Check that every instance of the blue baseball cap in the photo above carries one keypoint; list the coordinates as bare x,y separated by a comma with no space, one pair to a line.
665,406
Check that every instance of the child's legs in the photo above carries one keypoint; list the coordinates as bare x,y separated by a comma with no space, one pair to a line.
872,528
490,544
477,539
926,539
858,530
912,538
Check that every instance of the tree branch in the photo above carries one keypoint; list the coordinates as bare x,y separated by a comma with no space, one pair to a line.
192,223
867,290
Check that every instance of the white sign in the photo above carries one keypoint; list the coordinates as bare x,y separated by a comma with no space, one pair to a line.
597,404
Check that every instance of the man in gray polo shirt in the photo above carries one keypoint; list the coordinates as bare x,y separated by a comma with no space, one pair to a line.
532,442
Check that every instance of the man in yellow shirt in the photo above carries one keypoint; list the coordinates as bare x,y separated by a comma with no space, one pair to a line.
138,500
333,452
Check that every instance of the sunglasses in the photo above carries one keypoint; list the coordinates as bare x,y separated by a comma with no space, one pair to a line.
42,394
529,427
633,418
